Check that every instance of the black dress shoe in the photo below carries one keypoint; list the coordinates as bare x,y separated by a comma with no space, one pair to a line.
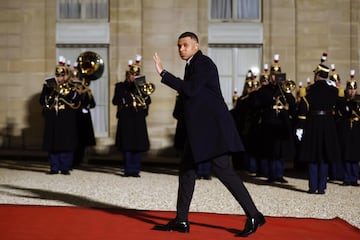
65,172
251,225
132,175
174,225
270,180
281,180
52,172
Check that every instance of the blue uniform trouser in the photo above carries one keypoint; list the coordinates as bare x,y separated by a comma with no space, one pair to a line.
204,169
252,164
351,172
132,162
61,161
263,167
276,168
336,171
318,173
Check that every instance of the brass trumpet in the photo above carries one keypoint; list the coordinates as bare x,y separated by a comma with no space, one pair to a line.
146,88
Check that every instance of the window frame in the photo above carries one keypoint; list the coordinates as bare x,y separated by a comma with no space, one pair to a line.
234,13
82,17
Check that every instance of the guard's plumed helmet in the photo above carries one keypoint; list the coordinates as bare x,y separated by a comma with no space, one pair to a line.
135,68
351,83
322,70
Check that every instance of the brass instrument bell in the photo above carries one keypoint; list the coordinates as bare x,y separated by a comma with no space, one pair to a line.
91,65
288,86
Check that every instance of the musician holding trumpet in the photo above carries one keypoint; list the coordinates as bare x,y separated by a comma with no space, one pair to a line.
60,100
132,98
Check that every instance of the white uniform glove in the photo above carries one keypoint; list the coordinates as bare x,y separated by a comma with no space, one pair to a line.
299,133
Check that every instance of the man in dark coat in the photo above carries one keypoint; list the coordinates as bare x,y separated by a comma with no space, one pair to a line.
85,125
319,141
60,101
211,134
349,132
132,109
276,106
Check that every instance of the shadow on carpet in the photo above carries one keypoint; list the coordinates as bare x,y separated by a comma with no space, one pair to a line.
66,223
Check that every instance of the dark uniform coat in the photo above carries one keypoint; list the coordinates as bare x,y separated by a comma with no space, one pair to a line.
319,140
348,123
247,118
210,128
275,129
131,134
60,130
85,125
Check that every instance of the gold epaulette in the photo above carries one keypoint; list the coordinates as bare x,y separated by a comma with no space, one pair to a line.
302,92
306,102
341,92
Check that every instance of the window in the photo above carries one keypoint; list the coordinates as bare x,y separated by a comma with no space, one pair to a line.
233,63
82,9
235,10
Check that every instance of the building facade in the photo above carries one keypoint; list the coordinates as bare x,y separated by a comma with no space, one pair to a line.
33,34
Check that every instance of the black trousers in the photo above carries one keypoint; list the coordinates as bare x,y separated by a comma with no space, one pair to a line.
224,171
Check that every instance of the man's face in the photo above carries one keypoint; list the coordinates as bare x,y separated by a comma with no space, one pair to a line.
60,78
187,47
132,77
351,92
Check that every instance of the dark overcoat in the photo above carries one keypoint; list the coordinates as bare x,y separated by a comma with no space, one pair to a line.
275,135
131,133
60,130
85,125
210,128
320,140
348,126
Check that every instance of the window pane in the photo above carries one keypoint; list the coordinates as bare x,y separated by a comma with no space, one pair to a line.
248,9
233,63
235,9
83,9
221,9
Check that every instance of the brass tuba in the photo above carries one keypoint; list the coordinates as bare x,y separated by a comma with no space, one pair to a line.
91,65
288,86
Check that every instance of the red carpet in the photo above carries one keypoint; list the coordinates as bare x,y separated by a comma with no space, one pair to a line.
42,222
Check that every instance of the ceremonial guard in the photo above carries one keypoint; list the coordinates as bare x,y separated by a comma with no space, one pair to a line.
349,131
317,129
85,126
264,76
132,100
336,169
246,120
60,102
276,106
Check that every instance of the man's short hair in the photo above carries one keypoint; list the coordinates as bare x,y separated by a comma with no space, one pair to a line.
189,34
